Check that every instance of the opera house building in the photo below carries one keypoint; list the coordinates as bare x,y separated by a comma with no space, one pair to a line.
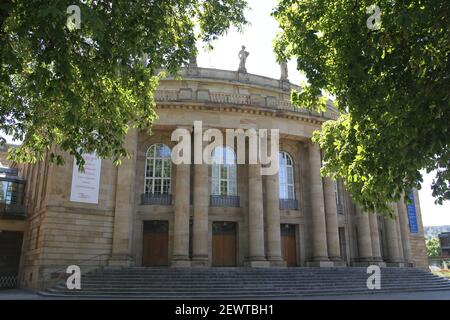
150,211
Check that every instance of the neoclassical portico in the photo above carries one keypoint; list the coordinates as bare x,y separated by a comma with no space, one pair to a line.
151,212
192,221
293,217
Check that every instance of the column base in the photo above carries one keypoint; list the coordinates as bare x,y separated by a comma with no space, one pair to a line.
363,262
257,263
200,261
121,260
179,263
395,264
337,258
377,259
410,264
338,262
381,264
320,263
277,262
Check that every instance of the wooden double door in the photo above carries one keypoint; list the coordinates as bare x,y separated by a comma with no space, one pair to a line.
289,244
156,243
224,244
343,243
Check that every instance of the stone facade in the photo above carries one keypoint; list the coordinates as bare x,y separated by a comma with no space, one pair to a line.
326,228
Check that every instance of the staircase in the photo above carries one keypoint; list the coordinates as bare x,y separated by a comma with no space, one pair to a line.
241,283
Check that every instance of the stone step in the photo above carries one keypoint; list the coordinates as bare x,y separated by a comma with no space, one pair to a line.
254,285
257,270
249,279
225,285
252,271
244,282
260,287
255,276
227,280
233,295
241,293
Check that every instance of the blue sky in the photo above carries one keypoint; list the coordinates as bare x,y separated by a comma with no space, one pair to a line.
258,39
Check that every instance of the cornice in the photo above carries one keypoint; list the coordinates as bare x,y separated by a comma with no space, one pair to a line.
250,110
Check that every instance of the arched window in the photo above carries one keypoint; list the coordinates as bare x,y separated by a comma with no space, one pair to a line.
158,169
337,194
286,176
223,172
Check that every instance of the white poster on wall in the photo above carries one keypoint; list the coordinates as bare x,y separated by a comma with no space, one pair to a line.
86,185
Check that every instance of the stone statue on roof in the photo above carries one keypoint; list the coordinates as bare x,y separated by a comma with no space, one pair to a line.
243,58
284,71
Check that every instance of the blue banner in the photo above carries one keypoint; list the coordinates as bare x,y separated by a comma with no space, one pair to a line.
412,216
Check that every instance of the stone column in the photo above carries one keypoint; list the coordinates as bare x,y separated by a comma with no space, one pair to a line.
404,229
392,240
124,205
334,251
180,256
399,235
256,256
319,231
375,236
273,220
201,206
364,236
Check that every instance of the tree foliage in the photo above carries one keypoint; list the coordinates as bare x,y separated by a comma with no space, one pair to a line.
82,89
392,87
433,247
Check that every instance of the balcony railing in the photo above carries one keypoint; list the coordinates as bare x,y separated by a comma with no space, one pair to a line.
288,204
9,171
157,199
12,211
239,99
8,281
340,209
224,201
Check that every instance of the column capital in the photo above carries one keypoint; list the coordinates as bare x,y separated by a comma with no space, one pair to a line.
310,144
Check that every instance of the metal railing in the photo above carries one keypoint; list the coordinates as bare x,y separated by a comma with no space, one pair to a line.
224,201
340,209
97,262
9,171
8,281
12,211
161,199
288,204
